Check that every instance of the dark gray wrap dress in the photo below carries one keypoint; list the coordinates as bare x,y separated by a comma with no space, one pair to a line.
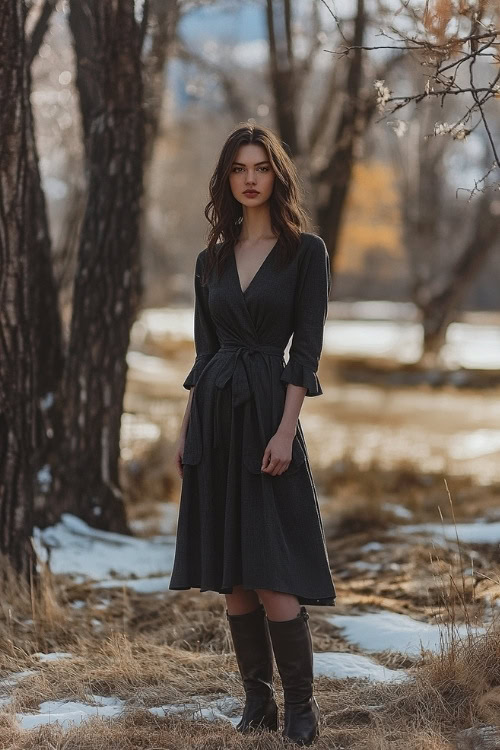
237,524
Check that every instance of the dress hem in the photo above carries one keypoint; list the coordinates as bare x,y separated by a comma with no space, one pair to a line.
320,601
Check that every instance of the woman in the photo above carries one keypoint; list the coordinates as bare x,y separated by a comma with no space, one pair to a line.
249,523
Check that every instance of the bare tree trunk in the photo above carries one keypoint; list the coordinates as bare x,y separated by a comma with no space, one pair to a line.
445,252
40,28
334,181
163,18
18,228
441,309
48,343
108,276
422,196
282,70
236,104
47,335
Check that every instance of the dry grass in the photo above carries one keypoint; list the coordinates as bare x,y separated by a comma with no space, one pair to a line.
156,650
357,494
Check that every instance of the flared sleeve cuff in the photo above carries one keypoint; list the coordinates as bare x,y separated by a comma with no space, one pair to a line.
298,374
199,365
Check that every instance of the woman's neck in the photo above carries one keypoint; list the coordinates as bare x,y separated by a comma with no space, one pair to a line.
256,224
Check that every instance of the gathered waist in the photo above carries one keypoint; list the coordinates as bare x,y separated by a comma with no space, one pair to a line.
275,351
249,381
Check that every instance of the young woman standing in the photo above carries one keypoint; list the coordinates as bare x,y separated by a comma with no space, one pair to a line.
249,522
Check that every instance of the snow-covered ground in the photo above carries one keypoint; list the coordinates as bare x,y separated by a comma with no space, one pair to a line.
381,329
153,585
69,713
381,631
340,665
86,553
144,565
477,532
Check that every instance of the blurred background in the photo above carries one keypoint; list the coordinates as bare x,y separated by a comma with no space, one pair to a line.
411,360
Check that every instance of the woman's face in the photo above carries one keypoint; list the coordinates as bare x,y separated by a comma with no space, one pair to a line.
251,171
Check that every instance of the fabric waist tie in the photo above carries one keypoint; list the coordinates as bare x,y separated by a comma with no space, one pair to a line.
238,367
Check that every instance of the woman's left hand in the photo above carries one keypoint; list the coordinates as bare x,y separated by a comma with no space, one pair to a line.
278,454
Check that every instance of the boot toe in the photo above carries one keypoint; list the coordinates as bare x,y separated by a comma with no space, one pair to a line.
259,715
302,722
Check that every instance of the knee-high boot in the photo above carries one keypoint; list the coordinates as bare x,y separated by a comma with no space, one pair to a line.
292,645
254,654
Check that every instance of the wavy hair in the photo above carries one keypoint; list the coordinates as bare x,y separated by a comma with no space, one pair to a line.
225,213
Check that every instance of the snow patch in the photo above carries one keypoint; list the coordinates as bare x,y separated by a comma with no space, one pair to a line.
366,566
372,547
53,656
337,665
479,532
140,585
221,708
470,445
80,550
68,713
389,631
13,679
398,510
71,713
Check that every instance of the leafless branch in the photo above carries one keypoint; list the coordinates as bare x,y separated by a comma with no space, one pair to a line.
443,54
41,25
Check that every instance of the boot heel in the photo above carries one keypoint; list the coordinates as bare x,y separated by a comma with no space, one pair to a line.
272,721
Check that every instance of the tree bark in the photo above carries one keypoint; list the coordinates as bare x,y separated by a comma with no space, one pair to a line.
334,181
18,245
40,28
163,18
107,284
282,70
441,309
48,343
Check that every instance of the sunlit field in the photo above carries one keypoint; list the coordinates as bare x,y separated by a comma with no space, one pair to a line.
408,484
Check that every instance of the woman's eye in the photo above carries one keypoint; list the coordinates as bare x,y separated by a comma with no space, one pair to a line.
236,169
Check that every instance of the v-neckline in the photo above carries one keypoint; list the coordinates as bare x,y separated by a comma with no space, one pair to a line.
256,273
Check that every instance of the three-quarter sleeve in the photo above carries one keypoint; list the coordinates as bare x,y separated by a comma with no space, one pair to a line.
310,311
205,336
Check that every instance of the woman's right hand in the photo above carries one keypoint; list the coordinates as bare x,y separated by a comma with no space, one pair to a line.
179,448
179,451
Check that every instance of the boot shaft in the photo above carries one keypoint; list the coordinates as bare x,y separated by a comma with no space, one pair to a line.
254,654
252,644
292,646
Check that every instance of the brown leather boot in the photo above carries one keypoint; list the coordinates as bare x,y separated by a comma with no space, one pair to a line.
254,653
292,646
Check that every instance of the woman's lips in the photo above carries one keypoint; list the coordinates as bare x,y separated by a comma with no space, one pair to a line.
251,193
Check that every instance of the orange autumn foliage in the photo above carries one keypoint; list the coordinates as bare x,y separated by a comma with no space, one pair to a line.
372,219
436,18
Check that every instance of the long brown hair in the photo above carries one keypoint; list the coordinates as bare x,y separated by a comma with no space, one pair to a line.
225,213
